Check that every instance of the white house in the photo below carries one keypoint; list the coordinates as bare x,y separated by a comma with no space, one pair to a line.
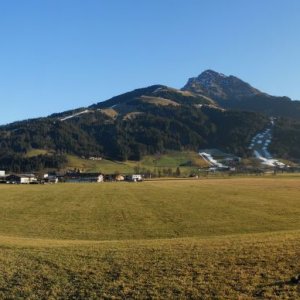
135,177
50,178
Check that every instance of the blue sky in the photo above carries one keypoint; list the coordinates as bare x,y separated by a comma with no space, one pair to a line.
62,54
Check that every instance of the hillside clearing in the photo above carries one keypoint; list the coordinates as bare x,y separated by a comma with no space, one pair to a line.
158,101
187,161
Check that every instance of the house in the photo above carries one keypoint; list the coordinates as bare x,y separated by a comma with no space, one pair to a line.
119,177
134,178
21,179
50,178
2,173
83,177
95,158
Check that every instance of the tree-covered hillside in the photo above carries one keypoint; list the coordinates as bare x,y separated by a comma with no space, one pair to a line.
286,141
213,111
155,129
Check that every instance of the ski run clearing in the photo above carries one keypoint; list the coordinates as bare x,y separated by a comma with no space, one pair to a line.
75,115
259,145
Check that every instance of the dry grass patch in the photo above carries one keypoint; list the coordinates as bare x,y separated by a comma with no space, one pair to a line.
110,112
246,267
159,101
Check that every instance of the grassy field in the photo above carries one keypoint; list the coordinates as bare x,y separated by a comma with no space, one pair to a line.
233,238
105,166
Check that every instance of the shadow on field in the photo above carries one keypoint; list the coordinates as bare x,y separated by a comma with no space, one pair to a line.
295,280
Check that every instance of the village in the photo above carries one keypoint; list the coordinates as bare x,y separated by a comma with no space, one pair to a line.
218,163
68,177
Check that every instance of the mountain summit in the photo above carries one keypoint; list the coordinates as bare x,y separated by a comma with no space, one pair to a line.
219,86
230,92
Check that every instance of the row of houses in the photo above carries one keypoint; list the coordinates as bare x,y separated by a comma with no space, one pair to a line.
71,177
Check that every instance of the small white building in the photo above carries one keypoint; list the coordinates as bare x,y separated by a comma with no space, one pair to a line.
2,173
50,178
135,177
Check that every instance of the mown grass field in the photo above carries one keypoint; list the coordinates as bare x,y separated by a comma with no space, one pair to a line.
233,238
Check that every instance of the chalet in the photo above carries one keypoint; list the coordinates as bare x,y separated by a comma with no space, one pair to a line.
83,177
21,179
50,178
134,178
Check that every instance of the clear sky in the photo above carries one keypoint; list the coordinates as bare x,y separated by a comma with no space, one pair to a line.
62,54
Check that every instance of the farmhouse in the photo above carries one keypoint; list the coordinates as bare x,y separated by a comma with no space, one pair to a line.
83,177
134,177
21,179
50,178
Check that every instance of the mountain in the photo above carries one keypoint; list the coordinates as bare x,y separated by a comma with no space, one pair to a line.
220,87
231,92
153,120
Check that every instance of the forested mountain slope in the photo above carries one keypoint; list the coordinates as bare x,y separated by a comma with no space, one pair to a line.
152,120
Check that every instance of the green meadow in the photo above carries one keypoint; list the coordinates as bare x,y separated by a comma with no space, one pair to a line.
234,238
188,162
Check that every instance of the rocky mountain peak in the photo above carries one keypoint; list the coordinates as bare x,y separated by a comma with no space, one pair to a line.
219,86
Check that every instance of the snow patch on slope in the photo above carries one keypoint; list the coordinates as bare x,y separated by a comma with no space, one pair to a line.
260,143
75,115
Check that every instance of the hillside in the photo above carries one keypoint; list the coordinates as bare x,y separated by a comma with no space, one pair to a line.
128,127
159,92
212,111
224,238
164,164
